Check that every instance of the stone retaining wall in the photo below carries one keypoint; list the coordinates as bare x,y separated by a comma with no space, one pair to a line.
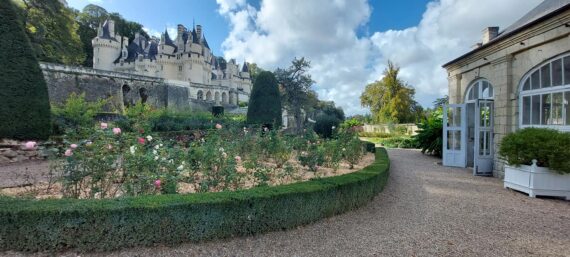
15,151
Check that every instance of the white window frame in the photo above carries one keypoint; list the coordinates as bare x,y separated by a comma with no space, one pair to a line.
565,87
479,84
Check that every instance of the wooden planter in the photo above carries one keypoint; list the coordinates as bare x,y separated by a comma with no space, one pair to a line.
535,180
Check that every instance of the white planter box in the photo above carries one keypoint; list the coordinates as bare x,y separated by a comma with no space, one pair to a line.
535,180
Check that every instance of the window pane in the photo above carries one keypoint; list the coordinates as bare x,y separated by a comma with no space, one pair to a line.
470,97
557,108
476,91
545,76
567,70
557,72
535,80
485,90
457,140
526,110
546,105
535,116
450,140
526,85
490,91
567,107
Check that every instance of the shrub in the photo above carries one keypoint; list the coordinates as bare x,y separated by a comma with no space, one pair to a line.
265,101
376,134
430,134
324,125
76,116
217,111
108,224
549,147
24,109
351,123
400,142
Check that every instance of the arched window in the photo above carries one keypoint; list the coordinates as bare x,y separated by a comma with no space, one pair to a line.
126,101
224,98
209,96
200,95
217,97
544,95
480,89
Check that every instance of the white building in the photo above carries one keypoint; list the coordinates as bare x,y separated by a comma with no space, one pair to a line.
187,60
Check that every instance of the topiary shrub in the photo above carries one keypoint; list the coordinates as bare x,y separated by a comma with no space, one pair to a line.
217,111
549,147
24,108
324,125
265,102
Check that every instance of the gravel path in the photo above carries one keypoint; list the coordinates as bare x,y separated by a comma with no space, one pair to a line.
425,210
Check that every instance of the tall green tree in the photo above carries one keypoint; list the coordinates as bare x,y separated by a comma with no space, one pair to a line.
89,19
390,99
265,101
53,31
254,71
24,108
296,83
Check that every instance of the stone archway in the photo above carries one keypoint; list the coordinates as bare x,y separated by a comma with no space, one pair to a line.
217,97
200,95
209,96
125,91
231,98
143,94
224,98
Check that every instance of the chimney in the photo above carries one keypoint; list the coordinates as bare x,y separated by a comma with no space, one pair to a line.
111,24
489,34
199,31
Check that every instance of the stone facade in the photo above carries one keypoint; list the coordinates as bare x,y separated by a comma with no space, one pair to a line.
186,60
505,61
123,89
15,151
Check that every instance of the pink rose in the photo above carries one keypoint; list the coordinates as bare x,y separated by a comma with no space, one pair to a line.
157,183
68,152
238,159
73,146
218,126
116,131
141,140
31,145
104,125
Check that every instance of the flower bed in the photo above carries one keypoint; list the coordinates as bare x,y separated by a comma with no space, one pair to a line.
87,225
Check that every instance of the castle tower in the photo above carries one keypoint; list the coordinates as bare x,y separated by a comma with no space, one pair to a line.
106,46
245,71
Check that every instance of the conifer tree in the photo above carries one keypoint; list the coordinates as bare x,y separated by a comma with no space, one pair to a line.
24,100
265,102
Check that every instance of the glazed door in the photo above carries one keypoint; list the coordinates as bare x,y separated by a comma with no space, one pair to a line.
483,159
454,135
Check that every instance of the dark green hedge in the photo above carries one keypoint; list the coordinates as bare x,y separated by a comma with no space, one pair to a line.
100,225
265,101
24,100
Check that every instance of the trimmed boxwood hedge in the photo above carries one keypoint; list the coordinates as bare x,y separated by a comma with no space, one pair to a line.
101,225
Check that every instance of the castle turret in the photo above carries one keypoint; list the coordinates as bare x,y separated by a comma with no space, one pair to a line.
244,71
166,45
199,32
106,46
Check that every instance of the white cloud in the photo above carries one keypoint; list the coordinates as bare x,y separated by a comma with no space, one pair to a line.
324,31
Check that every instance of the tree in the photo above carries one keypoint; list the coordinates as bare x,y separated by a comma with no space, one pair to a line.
52,30
265,102
390,99
254,71
296,84
440,102
25,109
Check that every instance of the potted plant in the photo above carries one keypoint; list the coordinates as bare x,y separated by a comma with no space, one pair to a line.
538,162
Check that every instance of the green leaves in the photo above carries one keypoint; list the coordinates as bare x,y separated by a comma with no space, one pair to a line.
390,99
265,102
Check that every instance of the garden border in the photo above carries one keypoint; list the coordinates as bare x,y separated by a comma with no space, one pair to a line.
103,225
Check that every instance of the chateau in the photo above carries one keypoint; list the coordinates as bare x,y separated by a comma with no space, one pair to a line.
186,61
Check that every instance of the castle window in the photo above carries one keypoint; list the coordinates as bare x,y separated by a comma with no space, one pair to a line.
180,68
161,67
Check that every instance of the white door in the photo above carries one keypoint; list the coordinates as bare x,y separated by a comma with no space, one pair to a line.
483,159
454,136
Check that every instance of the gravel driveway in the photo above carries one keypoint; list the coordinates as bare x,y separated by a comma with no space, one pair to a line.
425,210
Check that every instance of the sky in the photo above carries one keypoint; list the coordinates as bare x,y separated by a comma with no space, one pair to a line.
348,42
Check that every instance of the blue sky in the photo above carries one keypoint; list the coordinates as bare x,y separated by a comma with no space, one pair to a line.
386,14
348,42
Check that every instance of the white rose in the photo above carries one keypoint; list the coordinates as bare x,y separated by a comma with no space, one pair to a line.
133,149
156,147
149,138
180,168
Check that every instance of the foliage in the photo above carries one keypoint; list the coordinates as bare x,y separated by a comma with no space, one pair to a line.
103,225
254,71
24,108
376,134
295,83
265,101
76,115
391,99
353,122
325,125
53,31
549,147
430,134
352,148
400,142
